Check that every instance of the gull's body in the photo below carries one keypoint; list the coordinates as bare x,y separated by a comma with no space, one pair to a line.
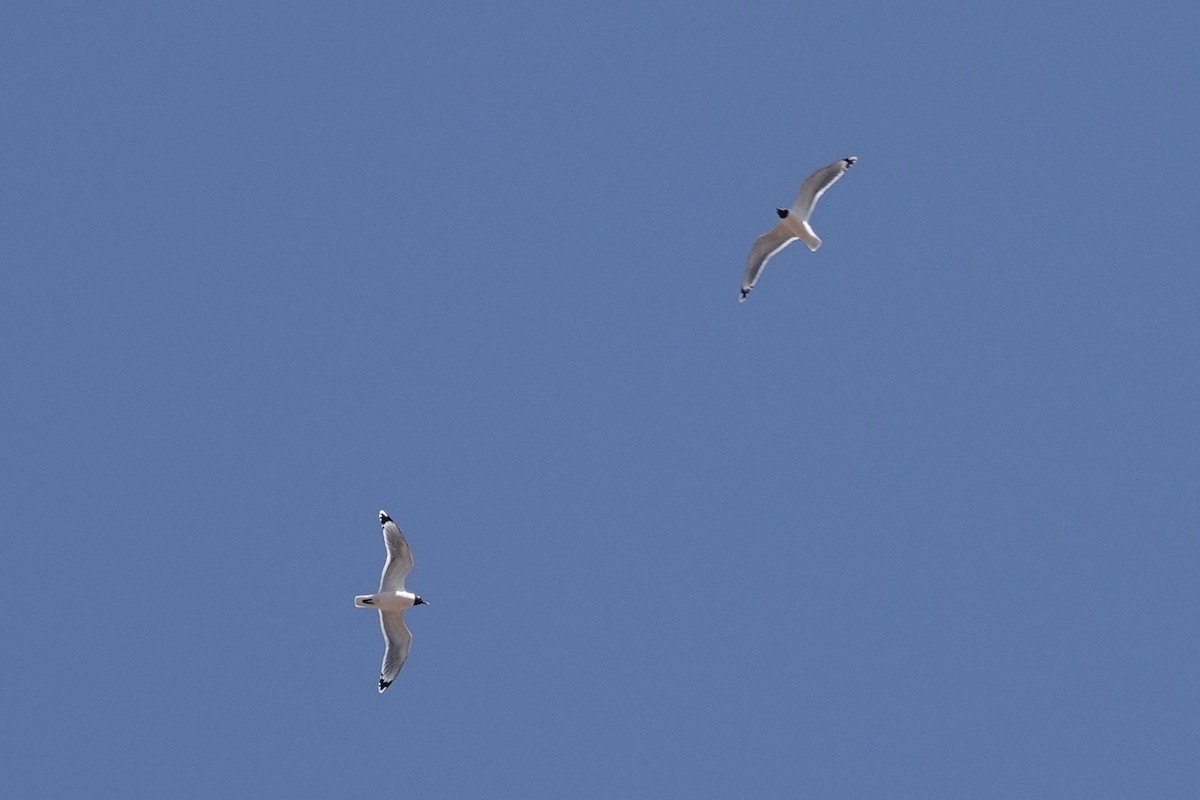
392,601
793,222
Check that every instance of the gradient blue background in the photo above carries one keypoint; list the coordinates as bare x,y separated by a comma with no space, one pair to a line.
919,519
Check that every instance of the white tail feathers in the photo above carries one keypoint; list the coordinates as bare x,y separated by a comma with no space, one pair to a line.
808,237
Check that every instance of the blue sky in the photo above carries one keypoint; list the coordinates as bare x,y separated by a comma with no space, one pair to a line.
918,519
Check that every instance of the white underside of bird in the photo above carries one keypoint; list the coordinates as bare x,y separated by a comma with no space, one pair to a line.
793,222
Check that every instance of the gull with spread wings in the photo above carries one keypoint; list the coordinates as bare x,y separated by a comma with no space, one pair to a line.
392,601
793,222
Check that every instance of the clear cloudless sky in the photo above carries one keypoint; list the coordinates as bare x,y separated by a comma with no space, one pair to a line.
918,519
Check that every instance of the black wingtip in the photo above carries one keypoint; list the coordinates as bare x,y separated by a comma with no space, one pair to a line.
384,519
745,294
383,685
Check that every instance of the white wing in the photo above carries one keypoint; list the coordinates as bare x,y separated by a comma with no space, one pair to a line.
399,559
764,247
815,185
398,638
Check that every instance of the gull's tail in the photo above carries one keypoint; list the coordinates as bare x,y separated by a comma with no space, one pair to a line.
808,237
364,601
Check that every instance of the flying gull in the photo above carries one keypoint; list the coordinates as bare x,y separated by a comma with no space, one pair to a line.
392,601
793,222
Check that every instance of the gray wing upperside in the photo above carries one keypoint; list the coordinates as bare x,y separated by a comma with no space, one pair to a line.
397,638
815,185
764,247
399,558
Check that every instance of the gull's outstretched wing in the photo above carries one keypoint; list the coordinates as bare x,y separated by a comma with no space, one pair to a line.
764,247
815,185
398,638
399,559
